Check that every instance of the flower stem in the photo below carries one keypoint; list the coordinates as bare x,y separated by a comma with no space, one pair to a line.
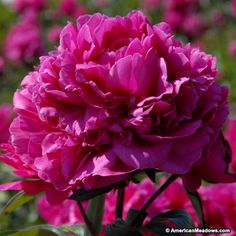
120,203
88,223
170,180
95,213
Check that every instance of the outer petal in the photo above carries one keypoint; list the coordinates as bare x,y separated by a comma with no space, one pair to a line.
214,168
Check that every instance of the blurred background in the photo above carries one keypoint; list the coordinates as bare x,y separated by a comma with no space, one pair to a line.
30,28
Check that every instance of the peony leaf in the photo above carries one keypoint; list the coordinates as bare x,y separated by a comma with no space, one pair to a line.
37,230
135,217
197,204
84,195
175,218
157,228
16,201
95,213
73,229
120,227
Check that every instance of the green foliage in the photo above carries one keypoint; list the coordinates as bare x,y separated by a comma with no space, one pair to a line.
136,217
178,217
7,17
84,195
120,227
16,201
46,230
95,212
197,204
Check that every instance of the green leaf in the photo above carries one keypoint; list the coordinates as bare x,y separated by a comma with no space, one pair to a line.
84,195
135,217
157,228
74,229
33,232
95,213
197,204
38,230
178,218
120,227
16,201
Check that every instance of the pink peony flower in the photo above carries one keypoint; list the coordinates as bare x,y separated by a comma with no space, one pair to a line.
232,48
6,115
150,4
184,6
102,3
193,25
219,203
233,7
217,18
182,16
23,41
22,5
65,213
231,136
174,19
120,95
71,8
54,34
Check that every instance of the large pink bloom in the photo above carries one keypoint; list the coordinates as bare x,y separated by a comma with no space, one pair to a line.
150,4
65,213
233,7
219,202
23,5
232,48
183,16
23,41
120,95
70,8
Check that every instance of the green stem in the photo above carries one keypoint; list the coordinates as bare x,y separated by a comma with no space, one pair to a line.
89,227
95,214
170,180
120,203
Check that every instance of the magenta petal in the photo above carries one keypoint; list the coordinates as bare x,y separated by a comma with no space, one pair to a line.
140,156
214,168
17,185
